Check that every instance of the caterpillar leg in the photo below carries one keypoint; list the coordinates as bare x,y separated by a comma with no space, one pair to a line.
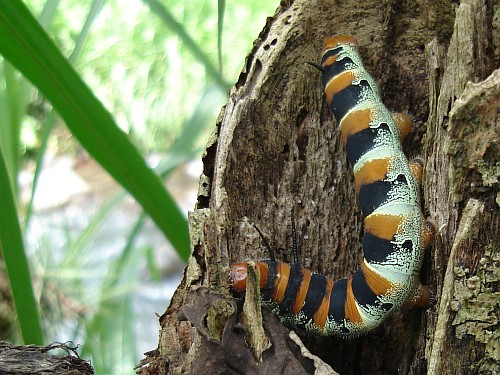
417,168
429,231
403,122
421,296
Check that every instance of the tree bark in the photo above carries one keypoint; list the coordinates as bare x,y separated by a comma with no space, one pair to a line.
32,359
276,148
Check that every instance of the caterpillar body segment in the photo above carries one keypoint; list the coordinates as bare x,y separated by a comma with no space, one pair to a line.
306,301
395,232
387,185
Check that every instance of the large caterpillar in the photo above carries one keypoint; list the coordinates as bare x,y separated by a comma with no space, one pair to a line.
395,232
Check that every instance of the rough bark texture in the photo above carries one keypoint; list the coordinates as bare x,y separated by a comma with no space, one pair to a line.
32,359
276,147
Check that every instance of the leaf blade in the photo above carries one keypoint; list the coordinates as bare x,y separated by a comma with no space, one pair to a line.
11,245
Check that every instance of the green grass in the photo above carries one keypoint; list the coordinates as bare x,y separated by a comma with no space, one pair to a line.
11,244
164,72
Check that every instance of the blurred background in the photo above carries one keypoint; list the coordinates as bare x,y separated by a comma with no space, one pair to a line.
100,268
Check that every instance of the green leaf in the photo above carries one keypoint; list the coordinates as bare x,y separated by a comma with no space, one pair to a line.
11,243
26,45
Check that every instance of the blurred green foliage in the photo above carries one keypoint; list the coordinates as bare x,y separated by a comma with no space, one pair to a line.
163,70
140,68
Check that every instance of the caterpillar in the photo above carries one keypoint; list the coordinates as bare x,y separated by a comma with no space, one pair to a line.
395,231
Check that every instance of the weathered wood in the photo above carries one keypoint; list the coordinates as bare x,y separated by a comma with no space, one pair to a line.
462,149
32,359
276,147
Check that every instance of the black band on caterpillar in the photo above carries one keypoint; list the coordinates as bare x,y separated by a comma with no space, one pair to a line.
395,230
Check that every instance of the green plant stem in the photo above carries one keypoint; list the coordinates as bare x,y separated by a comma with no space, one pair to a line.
11,244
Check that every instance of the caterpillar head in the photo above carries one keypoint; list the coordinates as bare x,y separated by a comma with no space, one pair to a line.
238,276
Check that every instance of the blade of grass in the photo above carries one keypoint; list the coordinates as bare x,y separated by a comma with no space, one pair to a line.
152,265
16,96
115,300
185,144
9,130
111,339
28,47
95,9
16,104
11,243
221,8
47,127
48,13
183,35
88,233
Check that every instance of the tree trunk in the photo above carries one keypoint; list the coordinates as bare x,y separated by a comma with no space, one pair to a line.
276,148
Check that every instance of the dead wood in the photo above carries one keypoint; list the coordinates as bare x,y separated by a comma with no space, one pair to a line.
32,359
